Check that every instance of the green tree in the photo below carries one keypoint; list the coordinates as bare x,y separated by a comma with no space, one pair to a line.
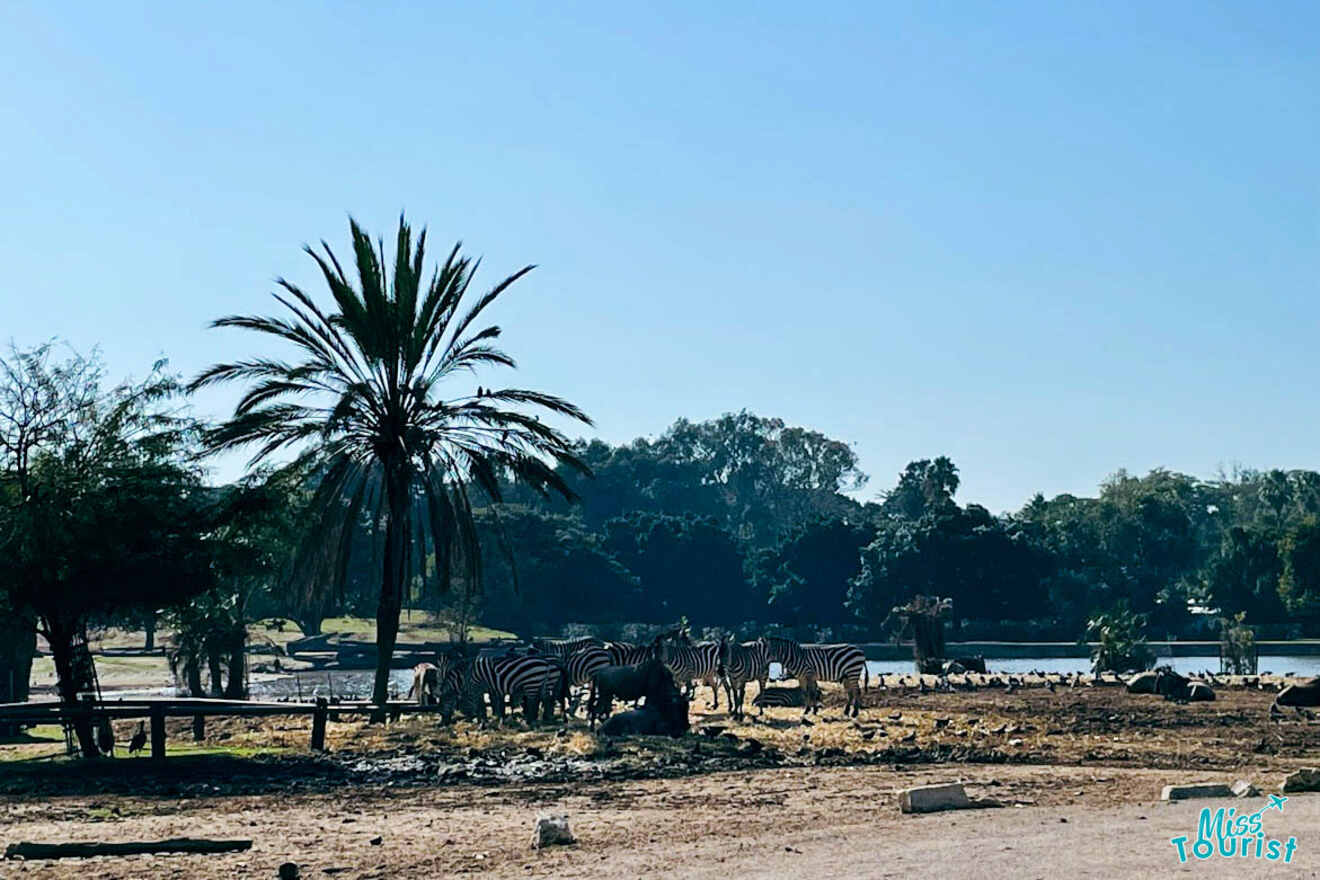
105,512
1299,583
375,407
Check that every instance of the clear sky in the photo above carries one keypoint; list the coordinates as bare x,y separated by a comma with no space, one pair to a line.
1049,240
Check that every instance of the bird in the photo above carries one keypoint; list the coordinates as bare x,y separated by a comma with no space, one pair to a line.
105,737
807,722
911,737
868,735
1050,685
941,723
139,740
894,716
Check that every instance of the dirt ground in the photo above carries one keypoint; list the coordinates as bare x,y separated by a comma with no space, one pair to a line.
1078,771
814,822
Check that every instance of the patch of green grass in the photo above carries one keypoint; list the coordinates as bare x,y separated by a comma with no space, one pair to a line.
418,627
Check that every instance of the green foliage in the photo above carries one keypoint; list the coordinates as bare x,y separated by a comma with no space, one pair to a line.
1120,640
1299,584
375,408
1237,645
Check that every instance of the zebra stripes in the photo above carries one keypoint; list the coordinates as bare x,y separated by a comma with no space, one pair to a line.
628,654
533,681
698,662
810,664
741,663
783,697
564,648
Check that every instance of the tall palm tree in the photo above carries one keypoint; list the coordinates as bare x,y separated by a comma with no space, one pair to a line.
379,409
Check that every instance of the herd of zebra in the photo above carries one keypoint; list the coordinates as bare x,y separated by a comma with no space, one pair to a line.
556,672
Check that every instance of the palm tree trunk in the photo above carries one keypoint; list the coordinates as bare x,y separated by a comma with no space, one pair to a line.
391,590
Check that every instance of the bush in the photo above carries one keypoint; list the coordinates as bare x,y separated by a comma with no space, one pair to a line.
1120,640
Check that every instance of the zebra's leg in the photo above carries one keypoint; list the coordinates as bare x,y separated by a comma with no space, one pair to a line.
714,691
854,705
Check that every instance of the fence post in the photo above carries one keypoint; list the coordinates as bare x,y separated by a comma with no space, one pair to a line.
318,725
199,728
157,732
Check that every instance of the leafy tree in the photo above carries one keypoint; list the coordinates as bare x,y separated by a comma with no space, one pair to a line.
805,577
1120,640
104,511
1244,575
557,573
685,565
925,486
1299,583
374,408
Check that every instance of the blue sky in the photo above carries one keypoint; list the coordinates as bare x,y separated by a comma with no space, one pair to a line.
1044,240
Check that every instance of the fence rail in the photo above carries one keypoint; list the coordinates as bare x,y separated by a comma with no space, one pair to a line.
158,709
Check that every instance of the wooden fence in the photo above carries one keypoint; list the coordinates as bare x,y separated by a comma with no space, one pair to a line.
156,710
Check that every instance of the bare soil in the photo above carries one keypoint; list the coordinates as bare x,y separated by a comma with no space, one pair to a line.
756,798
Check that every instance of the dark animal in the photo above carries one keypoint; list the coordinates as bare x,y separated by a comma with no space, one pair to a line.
964,665
1299,695
650,679
741,663
139,740
845,664
105,736
664,714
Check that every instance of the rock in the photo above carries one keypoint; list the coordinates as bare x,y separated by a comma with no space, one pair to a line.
1195,790
551,831
931,798
1305,779
1243,789
376,841
289,871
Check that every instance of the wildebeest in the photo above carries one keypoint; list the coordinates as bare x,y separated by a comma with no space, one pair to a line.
664,714
1299,695
1143,682
650,679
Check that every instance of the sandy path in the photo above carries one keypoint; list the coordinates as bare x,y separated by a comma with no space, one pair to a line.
776,823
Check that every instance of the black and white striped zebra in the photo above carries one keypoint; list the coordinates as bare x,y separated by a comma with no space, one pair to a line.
741,663
580,665
784,697
533,682
811,664
696,662
629,654
564,648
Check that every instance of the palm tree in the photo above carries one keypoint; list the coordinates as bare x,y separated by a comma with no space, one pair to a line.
377,409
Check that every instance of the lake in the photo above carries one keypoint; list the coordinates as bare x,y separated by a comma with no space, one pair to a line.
356,683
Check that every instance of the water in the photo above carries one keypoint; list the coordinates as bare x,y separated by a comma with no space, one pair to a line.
355,684
1299,666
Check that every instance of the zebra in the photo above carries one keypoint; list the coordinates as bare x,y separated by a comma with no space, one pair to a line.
564,648
581,664
796,698
629,654
533,681
811,664
696,662
741,663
